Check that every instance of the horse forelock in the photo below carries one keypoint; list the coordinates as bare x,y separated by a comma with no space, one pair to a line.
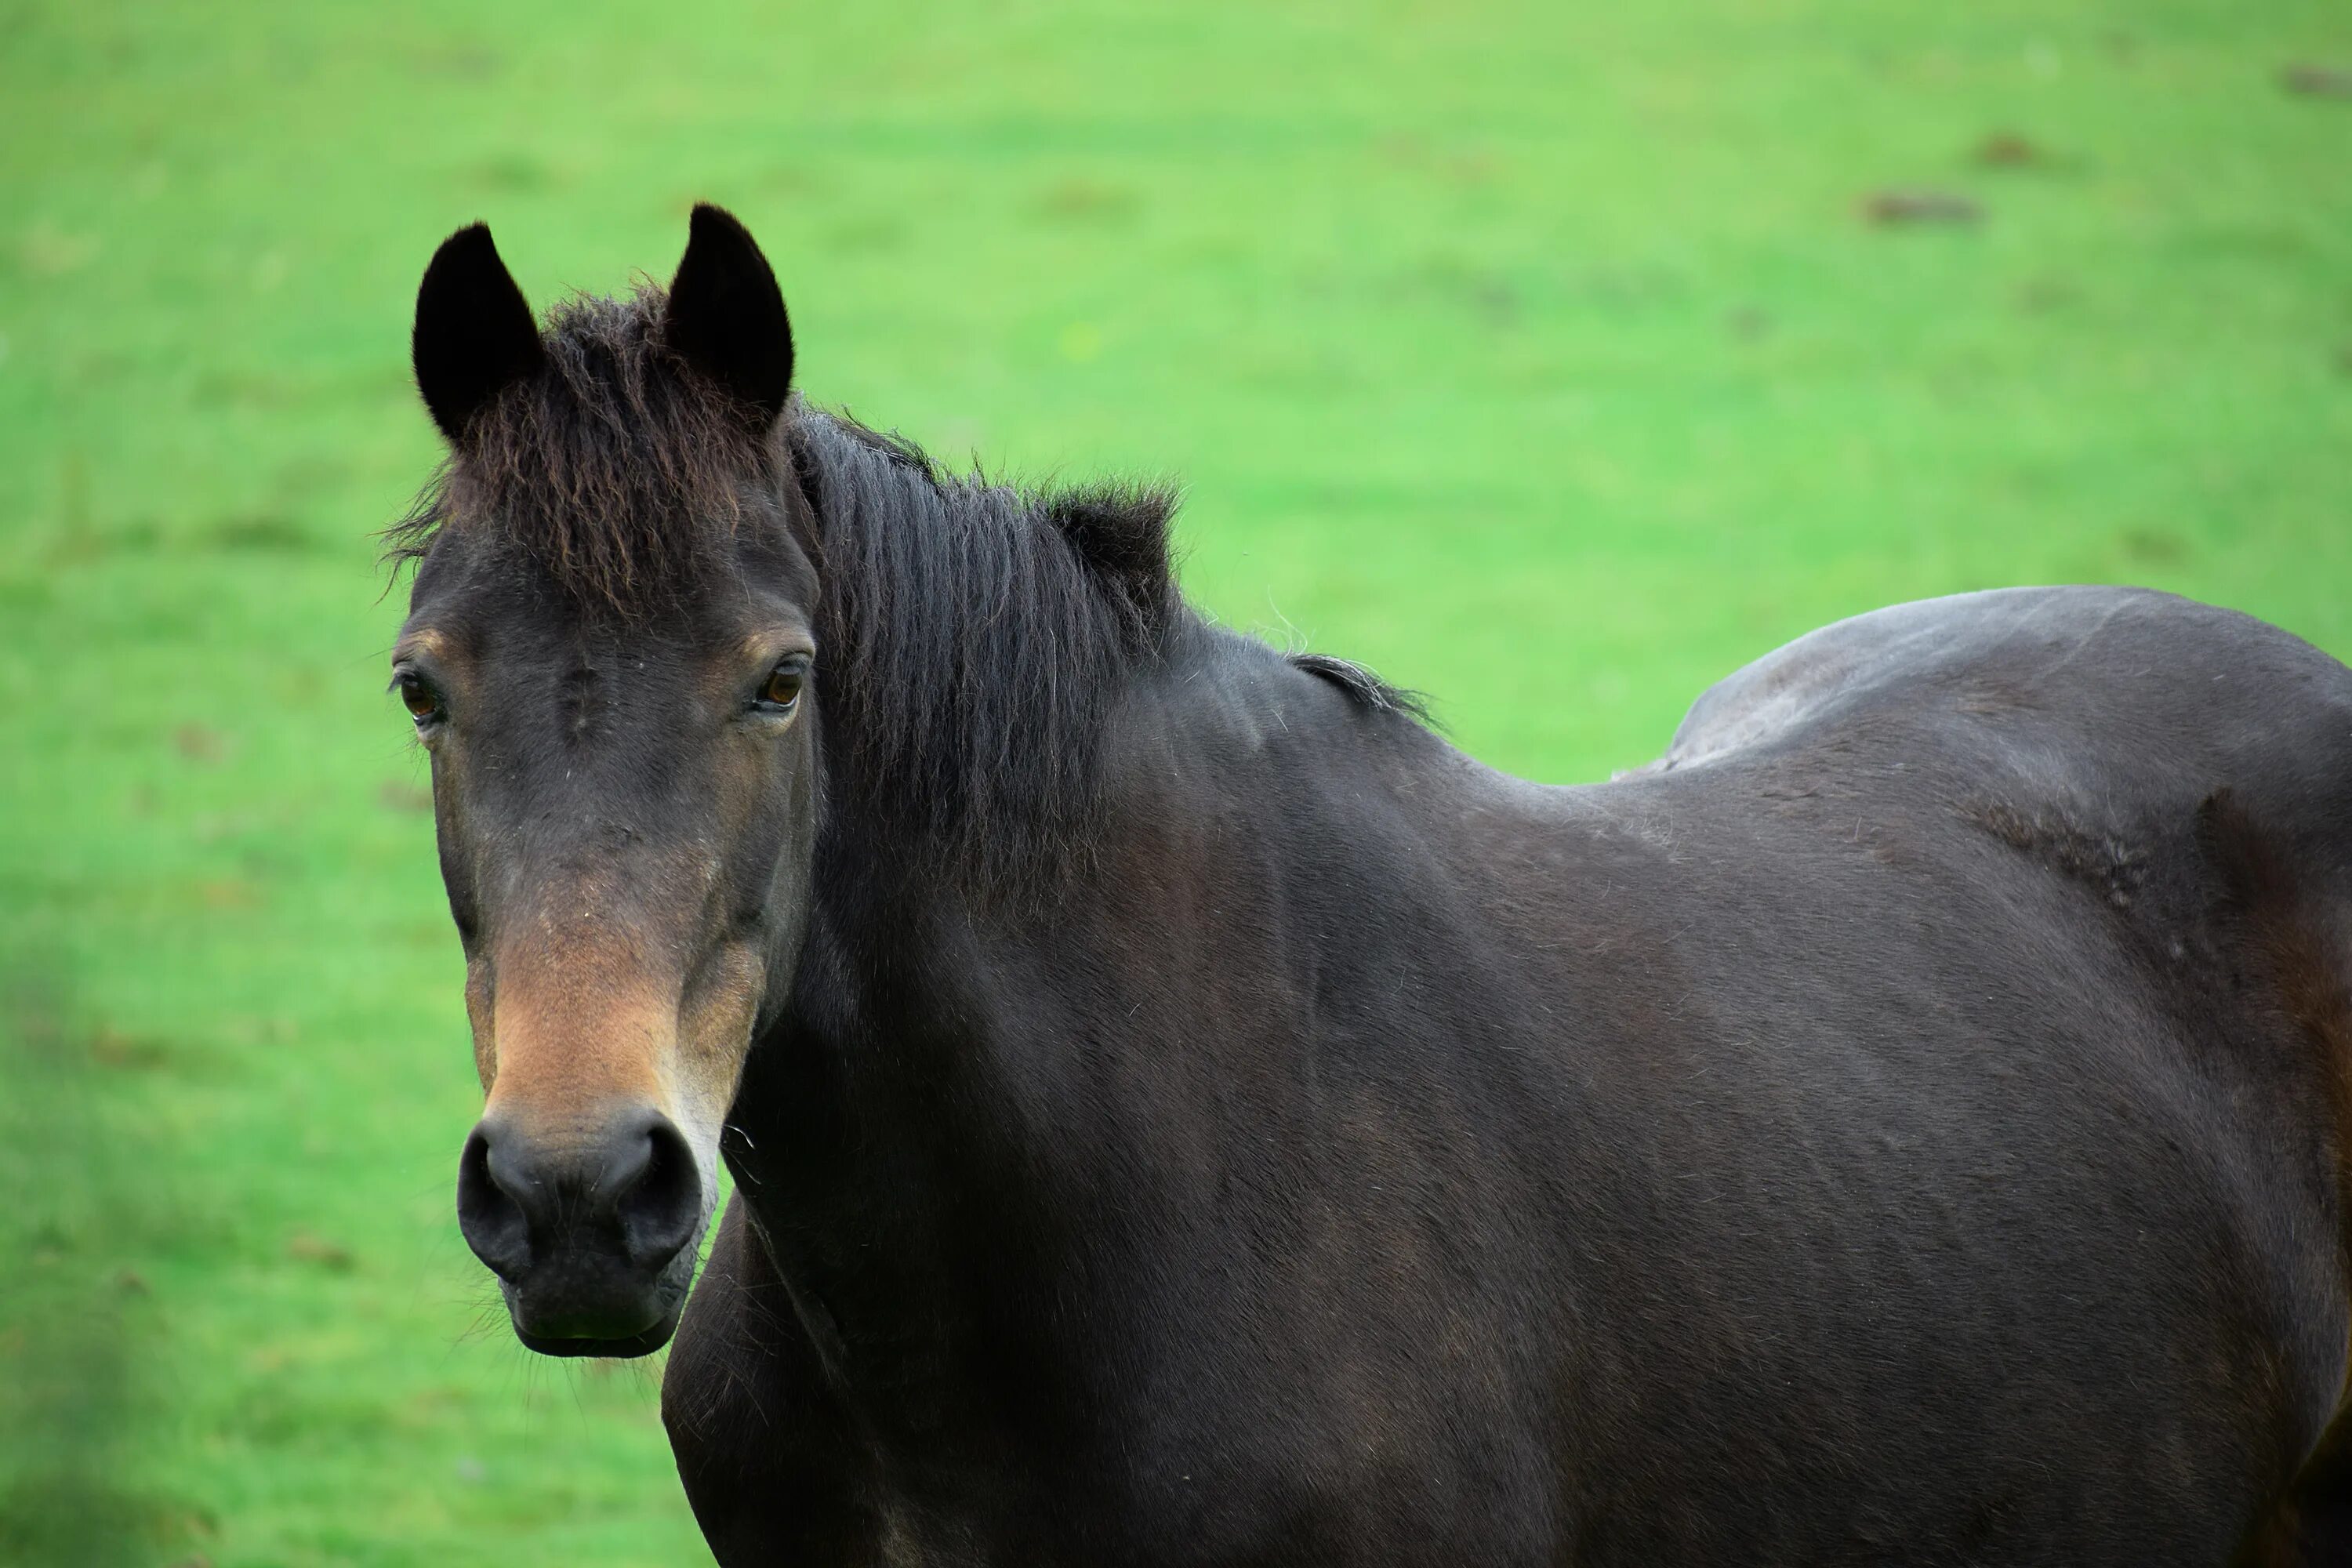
615,469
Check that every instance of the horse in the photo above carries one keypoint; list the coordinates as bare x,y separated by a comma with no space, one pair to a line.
1181,1110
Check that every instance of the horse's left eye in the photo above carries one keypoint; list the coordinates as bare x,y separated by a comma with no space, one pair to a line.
783,687
422,701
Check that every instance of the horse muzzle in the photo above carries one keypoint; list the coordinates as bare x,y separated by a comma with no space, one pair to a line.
590,1228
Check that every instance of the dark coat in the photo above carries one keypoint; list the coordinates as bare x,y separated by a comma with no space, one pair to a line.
1901,1125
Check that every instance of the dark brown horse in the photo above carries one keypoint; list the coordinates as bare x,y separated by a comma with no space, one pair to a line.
1183,1112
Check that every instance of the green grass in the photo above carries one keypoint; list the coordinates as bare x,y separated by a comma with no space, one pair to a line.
1541,355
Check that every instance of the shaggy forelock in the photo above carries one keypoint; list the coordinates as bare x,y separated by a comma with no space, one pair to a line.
617,469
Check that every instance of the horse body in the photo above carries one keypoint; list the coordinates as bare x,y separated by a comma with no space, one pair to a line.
1182,1112
1895,1126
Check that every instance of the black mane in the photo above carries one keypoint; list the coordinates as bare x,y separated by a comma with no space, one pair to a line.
971,632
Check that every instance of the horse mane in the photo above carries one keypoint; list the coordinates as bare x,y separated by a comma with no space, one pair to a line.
974,635
971,633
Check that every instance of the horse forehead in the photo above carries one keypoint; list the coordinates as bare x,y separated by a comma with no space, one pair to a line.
475,566
534,636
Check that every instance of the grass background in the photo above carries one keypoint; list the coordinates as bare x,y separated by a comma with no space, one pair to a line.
1548,357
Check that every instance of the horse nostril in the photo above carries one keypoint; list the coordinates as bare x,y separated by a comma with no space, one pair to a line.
659,1196
493,1222
629,1192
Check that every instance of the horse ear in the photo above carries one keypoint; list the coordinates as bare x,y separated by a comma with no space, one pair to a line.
726,315
475,334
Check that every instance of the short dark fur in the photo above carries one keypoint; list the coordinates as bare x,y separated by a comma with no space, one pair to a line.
1907,1123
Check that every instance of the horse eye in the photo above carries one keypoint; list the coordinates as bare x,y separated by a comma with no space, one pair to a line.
421,700
783,687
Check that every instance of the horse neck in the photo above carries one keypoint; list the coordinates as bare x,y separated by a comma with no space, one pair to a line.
970,1083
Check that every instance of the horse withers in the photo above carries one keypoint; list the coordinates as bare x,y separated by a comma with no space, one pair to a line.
1182,1111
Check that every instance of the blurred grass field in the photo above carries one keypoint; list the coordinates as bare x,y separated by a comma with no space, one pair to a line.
1555,359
